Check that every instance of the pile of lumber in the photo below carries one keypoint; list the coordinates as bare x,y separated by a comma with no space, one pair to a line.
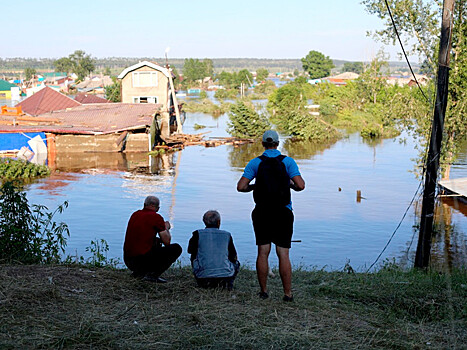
182,140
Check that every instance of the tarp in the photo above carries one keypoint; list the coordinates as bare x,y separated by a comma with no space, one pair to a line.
14,141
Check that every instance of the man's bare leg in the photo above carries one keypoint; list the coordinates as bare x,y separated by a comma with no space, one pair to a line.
285,269
262,267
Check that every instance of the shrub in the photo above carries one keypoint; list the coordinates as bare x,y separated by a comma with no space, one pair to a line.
11,169
246,122
29,235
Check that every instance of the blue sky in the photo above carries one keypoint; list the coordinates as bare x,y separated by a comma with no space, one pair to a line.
198,29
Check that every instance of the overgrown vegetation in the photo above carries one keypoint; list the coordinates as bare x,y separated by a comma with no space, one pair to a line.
245,122
29,234
206,106
12,169
78,307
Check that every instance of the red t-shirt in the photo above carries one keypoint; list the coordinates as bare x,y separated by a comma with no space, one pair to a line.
142,228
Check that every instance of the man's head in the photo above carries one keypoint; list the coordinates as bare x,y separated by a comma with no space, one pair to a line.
270,139
152,202
212,218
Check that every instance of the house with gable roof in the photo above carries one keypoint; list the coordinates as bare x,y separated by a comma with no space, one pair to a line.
145,82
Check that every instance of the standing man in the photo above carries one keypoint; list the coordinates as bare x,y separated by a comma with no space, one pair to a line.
143,250
272,216
213,254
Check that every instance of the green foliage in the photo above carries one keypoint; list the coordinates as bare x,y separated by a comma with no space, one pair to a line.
11,169
203,94
265,88
223,94
113,92
355,67
78,62
261,74
98,250
245,122
420,20
235,79
317,65
29,73
206,106
29,235
194,69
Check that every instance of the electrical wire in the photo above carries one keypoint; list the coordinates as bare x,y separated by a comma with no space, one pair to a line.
403,50
397,228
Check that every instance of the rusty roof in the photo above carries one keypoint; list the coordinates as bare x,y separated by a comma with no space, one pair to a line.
89,98
46,100
91,119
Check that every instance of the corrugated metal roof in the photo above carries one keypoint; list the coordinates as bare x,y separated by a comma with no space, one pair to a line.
46,100
5,86
89,98
103,118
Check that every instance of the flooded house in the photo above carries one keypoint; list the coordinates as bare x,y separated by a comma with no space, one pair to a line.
65,129
149,83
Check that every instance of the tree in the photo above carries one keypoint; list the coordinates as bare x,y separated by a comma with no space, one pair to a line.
317,65
113,92
63,64
194,69
77,62
355,67
29,73
261,74
420,20
244,121
244,77
82,64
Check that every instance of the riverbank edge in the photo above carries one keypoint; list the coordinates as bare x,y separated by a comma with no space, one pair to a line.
71,307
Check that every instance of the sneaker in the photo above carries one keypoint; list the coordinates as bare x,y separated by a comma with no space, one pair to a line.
263,295
287,298
150,278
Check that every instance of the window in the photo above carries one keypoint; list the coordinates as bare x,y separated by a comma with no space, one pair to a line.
145,99
144,79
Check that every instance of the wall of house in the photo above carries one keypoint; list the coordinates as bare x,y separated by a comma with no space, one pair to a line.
100,143
129,91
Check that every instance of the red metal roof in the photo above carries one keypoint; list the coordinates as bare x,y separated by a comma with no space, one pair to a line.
46,100
102,118
89,98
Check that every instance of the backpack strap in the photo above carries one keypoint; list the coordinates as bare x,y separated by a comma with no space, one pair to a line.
279,157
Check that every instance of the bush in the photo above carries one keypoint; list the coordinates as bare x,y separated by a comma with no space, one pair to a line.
11,169
246,122
28,235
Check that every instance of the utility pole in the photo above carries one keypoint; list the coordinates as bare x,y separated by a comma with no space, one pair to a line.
422,256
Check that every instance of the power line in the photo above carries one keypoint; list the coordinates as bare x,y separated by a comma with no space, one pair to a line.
397,228
403,50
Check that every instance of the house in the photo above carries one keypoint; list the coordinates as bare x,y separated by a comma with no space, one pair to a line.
89,98
145,82
46,100
96,84
5,89
87,128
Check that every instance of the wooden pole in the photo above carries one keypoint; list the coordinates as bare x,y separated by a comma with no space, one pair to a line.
422,256
174,98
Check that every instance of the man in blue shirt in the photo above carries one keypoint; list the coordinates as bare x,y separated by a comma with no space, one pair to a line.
272,216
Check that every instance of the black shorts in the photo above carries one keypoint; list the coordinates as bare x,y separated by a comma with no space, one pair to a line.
273,226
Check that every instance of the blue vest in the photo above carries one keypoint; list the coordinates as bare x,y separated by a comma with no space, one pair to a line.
212,260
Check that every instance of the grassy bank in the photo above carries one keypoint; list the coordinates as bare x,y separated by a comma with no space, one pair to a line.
77,307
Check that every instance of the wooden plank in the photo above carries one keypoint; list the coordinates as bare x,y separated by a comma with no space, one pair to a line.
456,186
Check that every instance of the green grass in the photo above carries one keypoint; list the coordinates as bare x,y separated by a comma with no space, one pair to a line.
81,308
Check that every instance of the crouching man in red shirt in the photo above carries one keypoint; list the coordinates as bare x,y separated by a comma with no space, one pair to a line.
147,250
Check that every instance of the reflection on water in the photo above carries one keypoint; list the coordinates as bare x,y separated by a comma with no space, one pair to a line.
239,156
104,189
304,149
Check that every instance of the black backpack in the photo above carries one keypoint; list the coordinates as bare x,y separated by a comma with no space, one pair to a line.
272,186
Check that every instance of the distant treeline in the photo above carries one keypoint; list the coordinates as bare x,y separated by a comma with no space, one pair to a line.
19,64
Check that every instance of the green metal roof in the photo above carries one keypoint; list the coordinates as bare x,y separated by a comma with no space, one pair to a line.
5,86
54,74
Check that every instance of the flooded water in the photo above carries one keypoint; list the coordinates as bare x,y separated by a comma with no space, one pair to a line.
333,227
